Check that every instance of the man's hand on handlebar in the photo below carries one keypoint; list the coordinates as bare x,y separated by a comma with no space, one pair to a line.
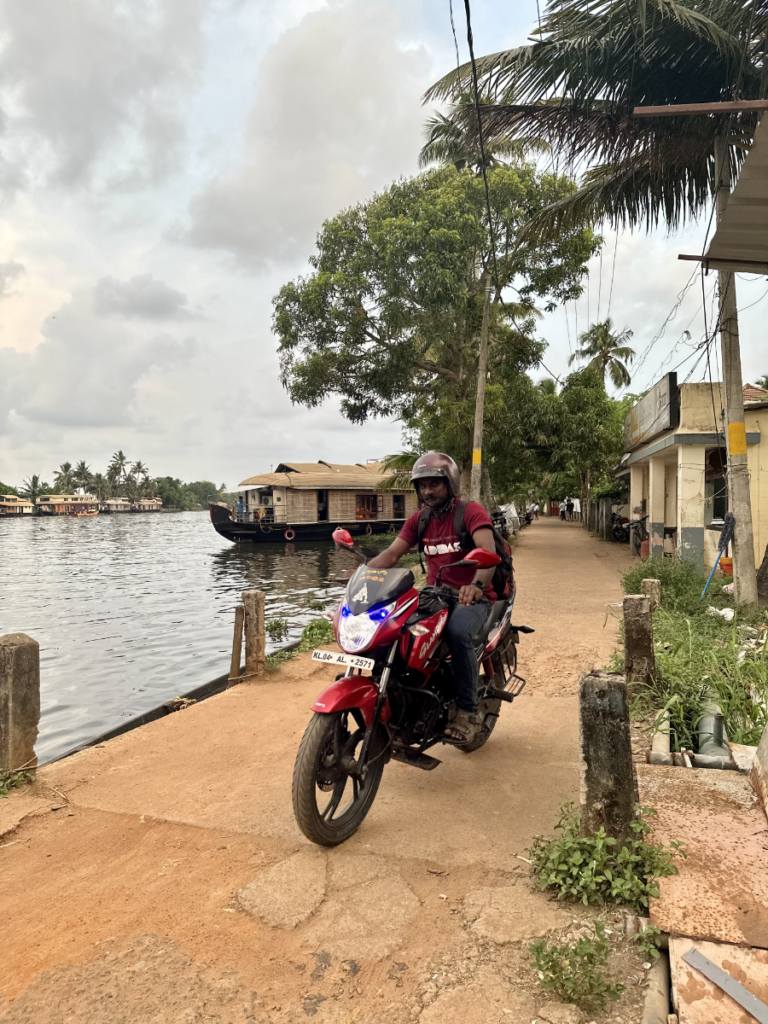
470,594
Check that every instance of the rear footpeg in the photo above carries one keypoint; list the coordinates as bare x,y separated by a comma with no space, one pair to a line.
495,694
413,757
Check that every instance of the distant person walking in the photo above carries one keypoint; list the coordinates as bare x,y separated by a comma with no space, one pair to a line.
562,510
535,509
569,507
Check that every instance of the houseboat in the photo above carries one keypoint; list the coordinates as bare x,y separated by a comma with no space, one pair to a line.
13,505
67,504
308,500
147,505
113,506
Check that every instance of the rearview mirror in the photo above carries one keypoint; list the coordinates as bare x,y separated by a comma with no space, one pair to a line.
481,559
343,539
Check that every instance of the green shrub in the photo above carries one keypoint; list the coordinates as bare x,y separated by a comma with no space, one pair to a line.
575,974
316,632
647,940
315,605
600,869
681,583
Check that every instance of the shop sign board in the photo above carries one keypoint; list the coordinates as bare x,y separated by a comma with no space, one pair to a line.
655,413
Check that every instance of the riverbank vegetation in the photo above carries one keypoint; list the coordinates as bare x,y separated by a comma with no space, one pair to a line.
702,657
122,478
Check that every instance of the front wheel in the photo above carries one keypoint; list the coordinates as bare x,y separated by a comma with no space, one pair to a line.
329,803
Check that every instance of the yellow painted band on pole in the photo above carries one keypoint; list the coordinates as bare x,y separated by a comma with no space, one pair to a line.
477,456
737,439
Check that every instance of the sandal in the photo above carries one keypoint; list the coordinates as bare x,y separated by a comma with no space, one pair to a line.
463,727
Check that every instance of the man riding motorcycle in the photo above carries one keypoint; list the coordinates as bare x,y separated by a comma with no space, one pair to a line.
435,477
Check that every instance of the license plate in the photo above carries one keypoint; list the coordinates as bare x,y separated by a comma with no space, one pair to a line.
351,660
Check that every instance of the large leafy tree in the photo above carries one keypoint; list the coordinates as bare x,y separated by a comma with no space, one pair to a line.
577,83
33,487
63,479
82,477
389,318
606,352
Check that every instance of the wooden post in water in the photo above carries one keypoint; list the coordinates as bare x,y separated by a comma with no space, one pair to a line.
639,660
19,700
608,789
237,644
255,633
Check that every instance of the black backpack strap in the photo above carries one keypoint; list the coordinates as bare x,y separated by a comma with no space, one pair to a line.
459,526
424,516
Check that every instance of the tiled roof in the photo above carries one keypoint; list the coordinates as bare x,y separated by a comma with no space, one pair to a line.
753,393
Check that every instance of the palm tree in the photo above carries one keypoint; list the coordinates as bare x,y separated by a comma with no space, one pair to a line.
116,470
452,139
63,480
578,83
548,386
33,487
398,468
82,476
101,486
606,352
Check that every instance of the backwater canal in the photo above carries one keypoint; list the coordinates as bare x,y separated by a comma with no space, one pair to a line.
131,610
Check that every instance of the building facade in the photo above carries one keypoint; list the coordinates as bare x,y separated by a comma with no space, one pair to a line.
675,461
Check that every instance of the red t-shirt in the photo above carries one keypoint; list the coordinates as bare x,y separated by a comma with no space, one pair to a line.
442,546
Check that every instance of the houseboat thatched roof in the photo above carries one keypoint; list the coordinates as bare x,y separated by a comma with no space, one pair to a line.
324,475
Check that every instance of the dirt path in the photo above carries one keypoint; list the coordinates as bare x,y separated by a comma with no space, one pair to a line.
123,905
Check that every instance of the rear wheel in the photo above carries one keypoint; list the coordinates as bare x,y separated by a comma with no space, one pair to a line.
329,803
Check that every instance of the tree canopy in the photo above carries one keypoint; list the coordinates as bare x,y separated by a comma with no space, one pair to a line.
389,317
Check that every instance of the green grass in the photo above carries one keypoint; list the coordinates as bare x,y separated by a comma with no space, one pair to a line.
316,632
700,657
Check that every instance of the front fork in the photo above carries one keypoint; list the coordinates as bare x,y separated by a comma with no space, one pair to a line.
359,766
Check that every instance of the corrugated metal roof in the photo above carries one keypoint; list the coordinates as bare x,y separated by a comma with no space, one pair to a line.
742,233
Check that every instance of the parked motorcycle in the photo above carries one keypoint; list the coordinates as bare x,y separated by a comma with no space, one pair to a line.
386,627
619,528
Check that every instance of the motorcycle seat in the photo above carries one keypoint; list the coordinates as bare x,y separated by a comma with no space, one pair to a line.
495,614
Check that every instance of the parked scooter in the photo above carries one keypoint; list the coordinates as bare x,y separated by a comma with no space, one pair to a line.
400,710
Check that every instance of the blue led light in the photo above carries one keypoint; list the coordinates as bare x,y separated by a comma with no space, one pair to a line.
378,615
344,611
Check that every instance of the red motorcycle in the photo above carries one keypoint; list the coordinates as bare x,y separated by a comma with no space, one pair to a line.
387,627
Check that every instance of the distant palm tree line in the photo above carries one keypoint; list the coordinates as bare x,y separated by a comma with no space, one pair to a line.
123,479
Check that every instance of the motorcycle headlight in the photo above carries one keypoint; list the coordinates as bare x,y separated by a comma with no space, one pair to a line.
357,631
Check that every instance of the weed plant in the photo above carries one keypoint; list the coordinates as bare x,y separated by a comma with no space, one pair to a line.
576,974
600,869
10,779
647,942
700,657
277,628
316,632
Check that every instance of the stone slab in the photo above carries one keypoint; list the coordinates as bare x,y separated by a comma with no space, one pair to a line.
721,891
489,1000
697,1000
512,913
289,892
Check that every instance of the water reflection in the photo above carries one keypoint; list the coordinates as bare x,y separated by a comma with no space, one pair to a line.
132,610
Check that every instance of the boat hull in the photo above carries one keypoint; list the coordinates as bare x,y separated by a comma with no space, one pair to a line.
274,533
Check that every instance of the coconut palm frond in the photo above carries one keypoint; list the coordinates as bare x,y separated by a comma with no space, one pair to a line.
398,467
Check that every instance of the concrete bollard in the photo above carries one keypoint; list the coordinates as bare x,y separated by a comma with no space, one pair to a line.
652,590
639,660
255,633
608,786
237,645
19,700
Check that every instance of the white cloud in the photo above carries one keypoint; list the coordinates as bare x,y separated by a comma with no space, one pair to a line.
92,90
8,274
141,298
336,115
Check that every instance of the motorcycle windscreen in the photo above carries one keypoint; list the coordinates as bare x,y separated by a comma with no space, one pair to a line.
369,587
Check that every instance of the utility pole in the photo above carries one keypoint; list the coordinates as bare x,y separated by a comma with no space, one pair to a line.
744,575
476,480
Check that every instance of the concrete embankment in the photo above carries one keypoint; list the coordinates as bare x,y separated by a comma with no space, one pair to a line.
121,869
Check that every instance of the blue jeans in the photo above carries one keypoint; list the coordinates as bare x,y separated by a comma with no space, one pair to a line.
464,623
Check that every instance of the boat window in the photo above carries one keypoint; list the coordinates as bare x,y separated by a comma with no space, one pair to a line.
398,506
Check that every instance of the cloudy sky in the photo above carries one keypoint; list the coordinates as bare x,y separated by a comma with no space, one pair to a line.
165,166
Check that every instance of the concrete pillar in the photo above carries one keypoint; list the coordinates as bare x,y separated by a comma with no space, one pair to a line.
639,661
690,503
255,633
608,788
636,474
656,492
19,700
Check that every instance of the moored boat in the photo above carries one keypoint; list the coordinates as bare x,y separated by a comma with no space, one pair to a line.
305,501
66,504
12,506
